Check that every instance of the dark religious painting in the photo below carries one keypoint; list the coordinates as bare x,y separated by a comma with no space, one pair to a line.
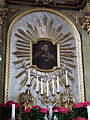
44,55
70,4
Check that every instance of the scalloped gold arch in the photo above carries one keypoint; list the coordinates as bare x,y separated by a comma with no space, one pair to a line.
79,55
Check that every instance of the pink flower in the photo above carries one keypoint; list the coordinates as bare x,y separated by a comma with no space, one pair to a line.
3,105
64,110
79,105
44,110
86,102
79,118
36,106
27,110
12,102
55,109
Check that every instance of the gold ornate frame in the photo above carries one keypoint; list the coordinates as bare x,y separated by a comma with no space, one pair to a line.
58,55
79,53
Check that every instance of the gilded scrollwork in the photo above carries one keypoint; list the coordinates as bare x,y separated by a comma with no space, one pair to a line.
3,16
85,20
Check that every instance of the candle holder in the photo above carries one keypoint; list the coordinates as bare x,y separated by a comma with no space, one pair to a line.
67,99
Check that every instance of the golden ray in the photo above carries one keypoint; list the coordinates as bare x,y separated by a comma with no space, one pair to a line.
21,37
71,38
37,31
24,80
30,34
20,52
45,87
23,42
65,45
35,85
25,34
40,86
20,45
67,68
31,81
28,64
70,65
20,61
72,48
67,59
45,24
57,31
22,49
21,73
63,37
52,32
23,83
70,77
66,55
67,52
50,86
49,28
55,82
40,26
60,82
21,56
32,30
58,36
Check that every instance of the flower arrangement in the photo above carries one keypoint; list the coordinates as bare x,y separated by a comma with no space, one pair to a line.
78,112
6,108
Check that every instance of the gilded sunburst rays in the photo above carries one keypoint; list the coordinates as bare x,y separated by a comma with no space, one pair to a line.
44,29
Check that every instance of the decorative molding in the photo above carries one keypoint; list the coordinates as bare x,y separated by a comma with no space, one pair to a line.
73,15
2,2
85,20
66,4
47,2
2,15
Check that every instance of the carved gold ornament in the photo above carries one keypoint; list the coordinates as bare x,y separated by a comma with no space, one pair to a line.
3,16
85,20
47,1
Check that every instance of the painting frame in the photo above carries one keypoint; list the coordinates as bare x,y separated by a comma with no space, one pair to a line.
31,53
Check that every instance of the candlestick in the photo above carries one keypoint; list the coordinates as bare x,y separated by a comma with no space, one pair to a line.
53,86
13,111
41,86
37,84
47,89
88,109
66,78
58,84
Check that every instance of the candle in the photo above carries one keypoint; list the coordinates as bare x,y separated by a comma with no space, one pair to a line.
13,111
57,83
66,78
47,89
53,86
37,84
41,86
88,109
29,77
